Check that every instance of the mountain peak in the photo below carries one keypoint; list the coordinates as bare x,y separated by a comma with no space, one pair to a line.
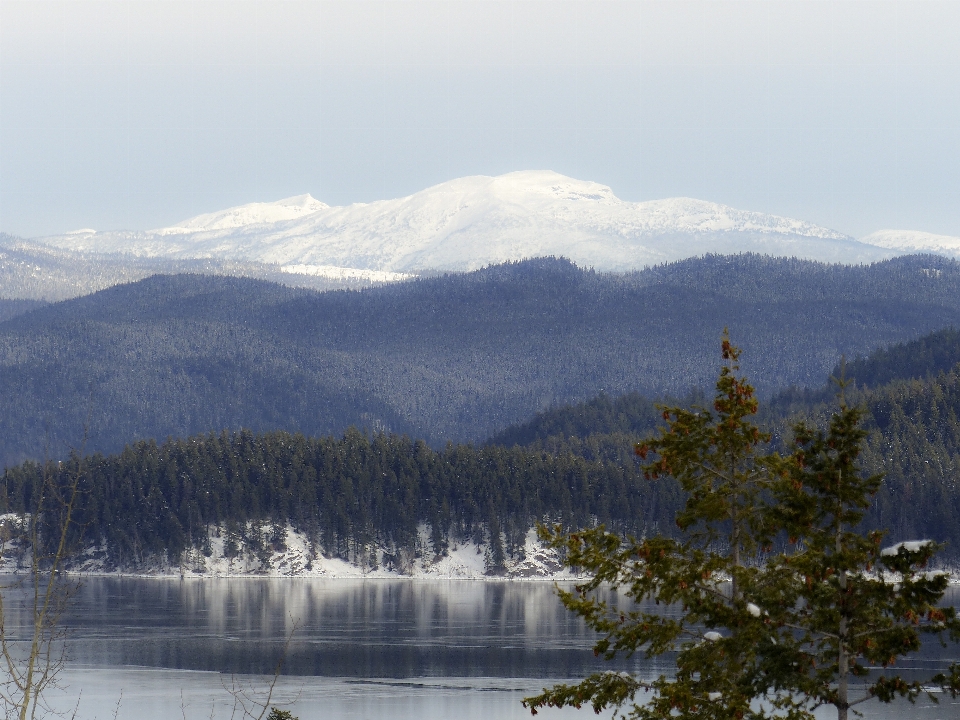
256,213
470,222
555,185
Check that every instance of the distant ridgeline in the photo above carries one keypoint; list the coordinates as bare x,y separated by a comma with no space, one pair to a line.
31,270
452,358
359,496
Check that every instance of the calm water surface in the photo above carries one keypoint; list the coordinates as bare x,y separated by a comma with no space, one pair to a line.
400,649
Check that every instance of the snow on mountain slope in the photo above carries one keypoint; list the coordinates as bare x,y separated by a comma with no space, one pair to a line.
339,273
915,241
474,221
250,214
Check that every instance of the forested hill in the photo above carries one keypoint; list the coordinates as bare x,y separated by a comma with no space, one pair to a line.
631,414
929,355
912,396
925,358
457,357
11,308
369,499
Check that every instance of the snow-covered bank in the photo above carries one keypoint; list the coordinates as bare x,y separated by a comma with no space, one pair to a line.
265,551
289,553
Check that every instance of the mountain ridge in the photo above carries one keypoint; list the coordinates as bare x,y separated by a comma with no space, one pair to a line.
472,222
454,357
915,241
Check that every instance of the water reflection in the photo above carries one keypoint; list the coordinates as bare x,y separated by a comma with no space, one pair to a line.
362,649
345,628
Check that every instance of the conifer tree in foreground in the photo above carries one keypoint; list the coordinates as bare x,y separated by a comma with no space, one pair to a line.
757,636
720,459
843,602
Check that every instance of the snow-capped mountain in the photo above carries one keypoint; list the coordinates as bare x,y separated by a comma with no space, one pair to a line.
474,221
251,214
914,241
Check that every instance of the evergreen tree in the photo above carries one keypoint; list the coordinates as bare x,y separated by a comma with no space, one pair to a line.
843,603
789,633
719,458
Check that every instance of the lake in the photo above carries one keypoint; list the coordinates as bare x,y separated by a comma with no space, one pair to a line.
405,649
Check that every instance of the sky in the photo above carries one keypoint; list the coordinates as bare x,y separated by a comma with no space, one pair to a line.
137,114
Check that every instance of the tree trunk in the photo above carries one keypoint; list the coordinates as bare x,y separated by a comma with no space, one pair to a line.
843,659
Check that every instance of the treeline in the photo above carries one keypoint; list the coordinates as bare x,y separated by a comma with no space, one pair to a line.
453,358
353,496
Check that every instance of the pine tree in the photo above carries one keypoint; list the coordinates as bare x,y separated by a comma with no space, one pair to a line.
790,632
843,603
720,459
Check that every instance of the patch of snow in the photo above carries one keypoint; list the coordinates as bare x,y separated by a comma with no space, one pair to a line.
464,560
619,674
296,556
910,546
712,636
914,241
714,696
342,273
12,525
753,610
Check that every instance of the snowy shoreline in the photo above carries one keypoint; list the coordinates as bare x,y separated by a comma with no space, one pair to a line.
291,555
226,556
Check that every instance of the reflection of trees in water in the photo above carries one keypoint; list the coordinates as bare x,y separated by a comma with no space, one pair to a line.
355,628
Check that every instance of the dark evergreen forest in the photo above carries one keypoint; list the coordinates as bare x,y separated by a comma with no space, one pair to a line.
453,358
11,308
573,464
348,495
911,392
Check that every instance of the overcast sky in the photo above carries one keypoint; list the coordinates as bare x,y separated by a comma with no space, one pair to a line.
136,114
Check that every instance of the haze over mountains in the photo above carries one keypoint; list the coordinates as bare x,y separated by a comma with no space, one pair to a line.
915,241
30,270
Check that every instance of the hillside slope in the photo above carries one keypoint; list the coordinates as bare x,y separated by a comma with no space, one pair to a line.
355,504
911,394
448,358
